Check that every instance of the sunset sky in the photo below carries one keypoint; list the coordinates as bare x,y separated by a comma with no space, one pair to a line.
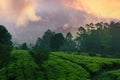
28,19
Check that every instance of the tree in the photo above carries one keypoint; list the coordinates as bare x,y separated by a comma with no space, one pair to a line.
114,30
24,46
40,51
38,43
91,39
81,35
44,42
46,39
69,44
57,41
5,46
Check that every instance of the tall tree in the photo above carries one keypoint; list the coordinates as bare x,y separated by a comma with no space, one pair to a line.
57,41
115,38
5,45
46,39
38,43
24,46
69,44
44,42
81,35
92,40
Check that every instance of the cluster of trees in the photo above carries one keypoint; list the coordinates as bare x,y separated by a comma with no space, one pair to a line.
56,42
100,38
92,38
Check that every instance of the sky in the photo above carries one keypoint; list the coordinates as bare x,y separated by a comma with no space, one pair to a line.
27,20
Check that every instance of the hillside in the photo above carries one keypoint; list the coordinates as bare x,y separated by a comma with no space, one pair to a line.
60,66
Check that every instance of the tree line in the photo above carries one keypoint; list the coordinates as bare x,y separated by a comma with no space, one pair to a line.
100,38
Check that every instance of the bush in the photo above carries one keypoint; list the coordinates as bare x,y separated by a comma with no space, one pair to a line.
60,69
4,55
23,68
109,75
92,64
40,55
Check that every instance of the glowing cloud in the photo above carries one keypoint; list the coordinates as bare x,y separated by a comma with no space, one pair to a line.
65,26
100,8
20,11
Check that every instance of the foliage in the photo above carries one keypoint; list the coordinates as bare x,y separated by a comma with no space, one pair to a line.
99,38
45,41
69,44
60,66
59,69
50,41
57,41
21,67
110,75
114,30
92,64
39,55
24,46
5,46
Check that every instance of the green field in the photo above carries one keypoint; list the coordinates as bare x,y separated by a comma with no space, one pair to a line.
60,66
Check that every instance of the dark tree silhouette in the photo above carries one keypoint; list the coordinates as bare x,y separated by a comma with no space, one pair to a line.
5,46
115,37
46,39
94,39
44,42
57,41
69,44
24,46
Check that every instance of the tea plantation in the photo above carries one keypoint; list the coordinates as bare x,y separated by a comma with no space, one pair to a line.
60,66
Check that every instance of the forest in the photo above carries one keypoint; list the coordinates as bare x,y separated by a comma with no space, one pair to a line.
92,54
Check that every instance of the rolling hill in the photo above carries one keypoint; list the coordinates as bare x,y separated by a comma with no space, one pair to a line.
60,66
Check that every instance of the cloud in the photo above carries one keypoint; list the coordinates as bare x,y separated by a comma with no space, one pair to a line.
58,15
65,26
20,11
100,8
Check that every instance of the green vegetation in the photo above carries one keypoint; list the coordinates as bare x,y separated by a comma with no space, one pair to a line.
39,62
95,39
59,69
21,67
39,55
5,46
94,65
60,66
110,75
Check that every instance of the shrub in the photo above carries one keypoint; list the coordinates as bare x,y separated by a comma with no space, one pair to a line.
39,55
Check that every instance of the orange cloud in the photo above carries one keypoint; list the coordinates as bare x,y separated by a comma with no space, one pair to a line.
21,11
65,26
100,8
